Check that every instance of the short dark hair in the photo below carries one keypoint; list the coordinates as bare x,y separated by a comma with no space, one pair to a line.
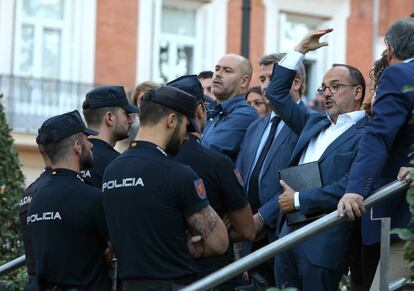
205,75
57,151
95,116
400,36
151,113
355,76
256,89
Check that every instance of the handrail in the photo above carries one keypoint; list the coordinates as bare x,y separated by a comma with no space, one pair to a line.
12,265
287,242
264,253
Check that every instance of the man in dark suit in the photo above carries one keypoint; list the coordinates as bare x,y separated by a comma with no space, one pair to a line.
386,144
266,148
330,139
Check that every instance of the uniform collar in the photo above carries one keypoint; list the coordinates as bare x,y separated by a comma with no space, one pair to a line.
194,138
140,144
99,142
66,173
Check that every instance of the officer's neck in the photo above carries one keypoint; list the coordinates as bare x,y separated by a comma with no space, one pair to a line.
106,136
153,134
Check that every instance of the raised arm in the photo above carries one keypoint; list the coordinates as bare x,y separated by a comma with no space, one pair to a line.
285,78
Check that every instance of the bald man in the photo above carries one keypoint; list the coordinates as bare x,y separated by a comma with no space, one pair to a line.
232,115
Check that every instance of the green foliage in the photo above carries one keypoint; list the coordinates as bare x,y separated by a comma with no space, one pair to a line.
11,187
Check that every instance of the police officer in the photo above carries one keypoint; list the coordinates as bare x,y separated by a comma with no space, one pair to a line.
27,196
152,202
222,180
106,110
66,221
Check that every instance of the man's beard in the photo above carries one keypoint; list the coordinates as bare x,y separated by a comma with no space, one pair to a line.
86,159
120,133
173,146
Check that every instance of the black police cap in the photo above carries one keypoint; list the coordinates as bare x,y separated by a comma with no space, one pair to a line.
61,126
108,96
175,99
189,84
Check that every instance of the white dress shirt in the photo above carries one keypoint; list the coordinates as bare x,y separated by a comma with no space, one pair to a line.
264,138
319,144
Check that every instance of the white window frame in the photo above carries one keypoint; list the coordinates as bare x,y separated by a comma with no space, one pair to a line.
336,13
39,25
77,55
210,36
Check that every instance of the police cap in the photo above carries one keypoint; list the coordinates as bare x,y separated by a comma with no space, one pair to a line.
108,96
189,84
61,126
175,99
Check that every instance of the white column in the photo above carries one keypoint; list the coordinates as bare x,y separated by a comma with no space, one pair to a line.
7,22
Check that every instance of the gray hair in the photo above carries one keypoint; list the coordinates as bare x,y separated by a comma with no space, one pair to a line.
400,37
276,58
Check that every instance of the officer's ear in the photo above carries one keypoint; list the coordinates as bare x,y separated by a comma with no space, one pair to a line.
109,118
77,147
171,120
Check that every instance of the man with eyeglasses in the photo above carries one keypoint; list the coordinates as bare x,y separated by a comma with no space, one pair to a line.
331,140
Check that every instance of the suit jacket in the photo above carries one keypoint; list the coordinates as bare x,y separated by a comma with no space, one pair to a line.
385,147
327,249
277,158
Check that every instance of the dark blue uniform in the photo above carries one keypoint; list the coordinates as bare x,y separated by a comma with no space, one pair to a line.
103,154
147,197
67,226
24,205
223,187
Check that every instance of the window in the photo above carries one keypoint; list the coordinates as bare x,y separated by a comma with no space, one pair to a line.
40,25
293,27
177,43
53,59
177,37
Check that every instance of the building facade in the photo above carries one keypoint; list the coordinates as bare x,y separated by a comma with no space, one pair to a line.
54,51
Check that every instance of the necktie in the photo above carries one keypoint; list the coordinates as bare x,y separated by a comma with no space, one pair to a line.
253,192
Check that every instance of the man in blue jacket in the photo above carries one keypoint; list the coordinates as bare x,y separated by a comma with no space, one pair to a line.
232,115
386,144
331,140
266,149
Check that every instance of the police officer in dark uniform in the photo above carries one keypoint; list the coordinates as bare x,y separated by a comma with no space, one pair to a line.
66,221
107,110
27,196
152,203
222,180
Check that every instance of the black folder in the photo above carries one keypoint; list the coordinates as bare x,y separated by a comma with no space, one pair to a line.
300,178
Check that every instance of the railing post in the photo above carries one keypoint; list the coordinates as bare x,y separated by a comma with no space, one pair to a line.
385,253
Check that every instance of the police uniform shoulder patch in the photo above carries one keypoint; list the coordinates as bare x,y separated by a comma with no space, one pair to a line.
200,189
238,176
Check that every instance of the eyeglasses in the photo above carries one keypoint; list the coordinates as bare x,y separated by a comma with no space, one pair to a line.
333,88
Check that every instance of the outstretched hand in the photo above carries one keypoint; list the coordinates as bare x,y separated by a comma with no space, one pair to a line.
311,41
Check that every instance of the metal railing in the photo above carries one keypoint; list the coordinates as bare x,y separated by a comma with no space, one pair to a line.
30,101
286,242
12,265
266,252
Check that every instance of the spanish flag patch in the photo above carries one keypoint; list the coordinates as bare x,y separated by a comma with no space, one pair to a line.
200,189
